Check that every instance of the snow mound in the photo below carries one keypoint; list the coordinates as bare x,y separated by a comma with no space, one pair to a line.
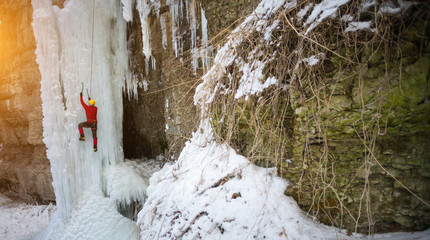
211,192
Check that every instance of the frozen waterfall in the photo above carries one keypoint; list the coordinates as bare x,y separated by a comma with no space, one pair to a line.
64,48
85,43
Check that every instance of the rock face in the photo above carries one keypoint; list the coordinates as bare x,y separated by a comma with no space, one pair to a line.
377,137
365,145
160,120
24,168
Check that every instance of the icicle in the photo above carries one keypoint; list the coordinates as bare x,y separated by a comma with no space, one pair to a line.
132,90
206,50
146,66
127,12
154,63
163,31
192,19
174,15
144,10
204,28
145,85
195,54
145,7
166,107
176,11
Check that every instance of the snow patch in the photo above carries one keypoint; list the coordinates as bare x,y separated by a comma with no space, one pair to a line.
250,81
269,30
347,18
312,60
355,26
301,14
365,5
327,8
391,8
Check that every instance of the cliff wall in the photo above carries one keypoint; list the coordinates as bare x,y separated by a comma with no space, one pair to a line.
24,168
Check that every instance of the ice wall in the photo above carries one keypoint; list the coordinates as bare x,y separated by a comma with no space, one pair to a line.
64,48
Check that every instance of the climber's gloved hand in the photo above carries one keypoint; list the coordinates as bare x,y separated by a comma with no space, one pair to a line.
89,98
80,94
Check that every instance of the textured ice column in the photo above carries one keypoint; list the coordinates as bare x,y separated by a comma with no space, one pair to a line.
54,112
64,48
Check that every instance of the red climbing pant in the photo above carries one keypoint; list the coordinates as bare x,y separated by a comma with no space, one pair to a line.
93,127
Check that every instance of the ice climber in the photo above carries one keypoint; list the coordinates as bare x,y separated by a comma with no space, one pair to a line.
91,112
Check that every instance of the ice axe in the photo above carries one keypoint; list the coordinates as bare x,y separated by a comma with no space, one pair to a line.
86,89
